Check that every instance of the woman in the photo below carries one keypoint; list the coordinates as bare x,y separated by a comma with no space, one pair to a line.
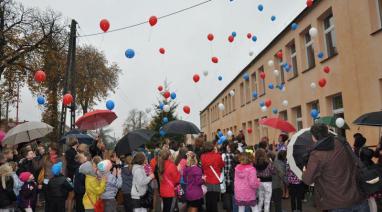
7,196
140,182
279,188
169,178
127,181
265,170
193,180
228,170
296,190
212,165
71,167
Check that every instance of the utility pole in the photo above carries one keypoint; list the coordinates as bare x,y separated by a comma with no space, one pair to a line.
69,83
17,103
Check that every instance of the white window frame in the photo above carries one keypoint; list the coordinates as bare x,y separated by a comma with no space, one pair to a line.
292,56
330,29
307,45
379,11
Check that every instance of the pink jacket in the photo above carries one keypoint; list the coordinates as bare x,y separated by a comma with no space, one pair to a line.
246,183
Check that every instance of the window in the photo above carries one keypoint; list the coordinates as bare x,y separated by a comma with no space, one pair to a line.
338,111
330,35
309,50
233,101
253,84
298,117
380,92
279,79
379,11
264,129
293,58
256,131
283,115
262,82
242,101
229,103
249,138
313,105
247,91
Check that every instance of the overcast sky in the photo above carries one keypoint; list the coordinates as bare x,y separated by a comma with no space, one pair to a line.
184,36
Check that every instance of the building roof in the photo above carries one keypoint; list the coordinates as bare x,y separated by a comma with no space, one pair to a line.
258,56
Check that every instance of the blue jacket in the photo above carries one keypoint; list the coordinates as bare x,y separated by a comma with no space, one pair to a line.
113,183
127,180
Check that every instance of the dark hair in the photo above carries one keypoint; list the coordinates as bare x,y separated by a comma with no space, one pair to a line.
359,140
261,157
208,147
54,146
181,155
263,144
282,155
139,159
284,137
319,131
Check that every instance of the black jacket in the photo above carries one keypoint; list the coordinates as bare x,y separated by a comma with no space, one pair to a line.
26,166
71,163
127,180
59,186
79,182
7,196
28,195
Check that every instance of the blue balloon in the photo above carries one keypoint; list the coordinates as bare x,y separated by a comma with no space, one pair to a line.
271,86
254,38
220,134
314,113
261,103
161,105
110,104
246,76
220,78
260,7
222,139
254,94
173,95
233,34
281,86
273,18
274,111
320,55
165,120
40,100
294,26
162,133
129,53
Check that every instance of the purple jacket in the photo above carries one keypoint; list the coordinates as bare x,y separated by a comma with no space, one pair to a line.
193,179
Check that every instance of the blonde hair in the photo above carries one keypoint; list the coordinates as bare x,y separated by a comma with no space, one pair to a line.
191,159
246,158
72,141
163,156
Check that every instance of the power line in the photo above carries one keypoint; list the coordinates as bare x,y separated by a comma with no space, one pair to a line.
145,22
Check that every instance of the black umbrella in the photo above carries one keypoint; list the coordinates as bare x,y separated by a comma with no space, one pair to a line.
181,127
370,119
82,138
132,141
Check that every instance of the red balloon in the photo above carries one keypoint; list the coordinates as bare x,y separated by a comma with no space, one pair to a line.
322,82
166,94
327,69
249,35
40,76
249,130
186,109
160,88
162,50
279,55
230,38
104,24
309,3
262,75
268,102
196,78
153,20
68,99
210,37
214,59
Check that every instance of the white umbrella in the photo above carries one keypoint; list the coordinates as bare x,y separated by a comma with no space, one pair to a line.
27,131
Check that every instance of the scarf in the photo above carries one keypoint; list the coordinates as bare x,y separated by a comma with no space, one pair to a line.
53,157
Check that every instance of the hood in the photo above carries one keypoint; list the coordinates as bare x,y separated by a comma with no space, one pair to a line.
87,169
325,144
241,171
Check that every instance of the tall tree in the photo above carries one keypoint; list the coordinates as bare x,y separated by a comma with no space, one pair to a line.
95,77
137,119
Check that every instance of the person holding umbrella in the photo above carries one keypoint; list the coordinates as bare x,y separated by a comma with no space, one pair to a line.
333,173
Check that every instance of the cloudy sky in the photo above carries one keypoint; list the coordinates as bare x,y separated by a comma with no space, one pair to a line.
184,36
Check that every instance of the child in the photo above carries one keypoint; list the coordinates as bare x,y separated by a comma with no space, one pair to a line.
113,184
265,170
58,189
16,181
246,182
28,192
193,180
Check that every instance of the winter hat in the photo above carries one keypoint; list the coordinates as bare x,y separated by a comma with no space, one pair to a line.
104,166
24,176
56,168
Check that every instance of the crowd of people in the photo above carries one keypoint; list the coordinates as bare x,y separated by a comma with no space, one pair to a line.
179,177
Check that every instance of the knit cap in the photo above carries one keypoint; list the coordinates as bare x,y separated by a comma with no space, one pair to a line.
56,168
24,176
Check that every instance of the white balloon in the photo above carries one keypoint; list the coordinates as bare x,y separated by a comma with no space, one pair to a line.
340,122
264,108
313,32
205,73
221,106
313,85
166,108
229,133
285,103
251,52
232,93
276,72
270,63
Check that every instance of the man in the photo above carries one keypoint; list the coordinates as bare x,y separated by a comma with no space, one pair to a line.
331,169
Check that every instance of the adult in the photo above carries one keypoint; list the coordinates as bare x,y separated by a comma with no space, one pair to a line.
278,186
71,166
169,178
79,183
7,196
333,173
282,140
212,165
27,164
359,142
97,148
230,162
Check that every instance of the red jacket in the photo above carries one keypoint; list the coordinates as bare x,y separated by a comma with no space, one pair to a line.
215,160
170,178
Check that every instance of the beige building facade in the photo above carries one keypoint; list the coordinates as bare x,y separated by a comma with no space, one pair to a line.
349,34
